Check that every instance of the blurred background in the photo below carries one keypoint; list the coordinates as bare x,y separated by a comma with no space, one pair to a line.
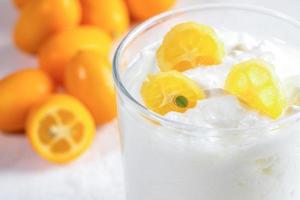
44,46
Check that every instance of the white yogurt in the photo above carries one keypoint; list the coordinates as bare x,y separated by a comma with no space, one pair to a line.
227,159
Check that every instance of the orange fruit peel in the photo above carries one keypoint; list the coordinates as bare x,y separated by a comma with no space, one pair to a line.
19,92
142,10
111,16
41,19
95,89
56,53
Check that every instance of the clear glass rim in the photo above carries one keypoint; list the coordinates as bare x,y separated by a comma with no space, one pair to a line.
120,87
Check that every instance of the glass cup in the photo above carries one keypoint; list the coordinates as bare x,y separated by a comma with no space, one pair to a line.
164,159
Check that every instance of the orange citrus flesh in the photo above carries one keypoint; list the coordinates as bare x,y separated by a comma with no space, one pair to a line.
60,129
255,83
170,91
188,45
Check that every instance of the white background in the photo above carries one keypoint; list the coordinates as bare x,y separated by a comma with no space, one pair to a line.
97,174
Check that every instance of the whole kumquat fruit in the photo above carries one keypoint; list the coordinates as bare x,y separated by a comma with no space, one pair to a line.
142,10
56,53
111,16
88,77
19,91
39,19
60,128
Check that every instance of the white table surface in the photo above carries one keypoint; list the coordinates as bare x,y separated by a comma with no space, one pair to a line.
97,175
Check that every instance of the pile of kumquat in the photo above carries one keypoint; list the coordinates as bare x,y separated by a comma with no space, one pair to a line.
59,103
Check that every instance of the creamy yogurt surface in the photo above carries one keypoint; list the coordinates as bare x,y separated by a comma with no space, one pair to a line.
222,110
